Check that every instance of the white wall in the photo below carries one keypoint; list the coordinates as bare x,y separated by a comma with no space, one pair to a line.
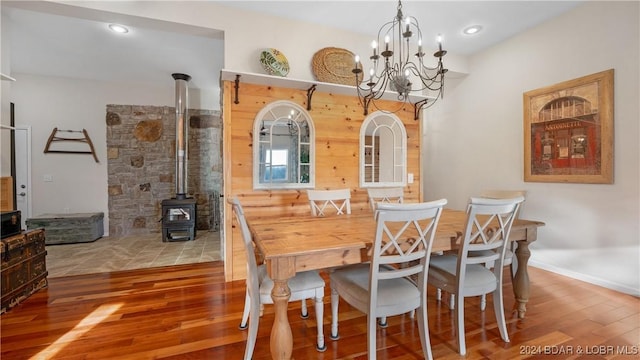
79,183
475,136
5,109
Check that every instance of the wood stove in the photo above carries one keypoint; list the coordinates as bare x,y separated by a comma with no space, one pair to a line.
179,219
179,213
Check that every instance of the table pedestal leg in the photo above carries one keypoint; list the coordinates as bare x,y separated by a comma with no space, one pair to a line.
281,336
521,279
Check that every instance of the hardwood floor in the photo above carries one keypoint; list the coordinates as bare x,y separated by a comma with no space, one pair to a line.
189,312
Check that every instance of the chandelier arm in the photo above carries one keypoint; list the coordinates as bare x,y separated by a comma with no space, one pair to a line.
380,87
382,34
409,34
436,88
369,95
376,91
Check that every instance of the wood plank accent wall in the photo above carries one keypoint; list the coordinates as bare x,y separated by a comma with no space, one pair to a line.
6,193
337,120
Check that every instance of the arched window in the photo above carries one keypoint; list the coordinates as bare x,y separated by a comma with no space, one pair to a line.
383,151
283,147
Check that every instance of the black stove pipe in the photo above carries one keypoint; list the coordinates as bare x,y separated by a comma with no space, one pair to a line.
182,134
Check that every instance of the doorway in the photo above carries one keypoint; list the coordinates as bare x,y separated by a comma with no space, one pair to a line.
22,174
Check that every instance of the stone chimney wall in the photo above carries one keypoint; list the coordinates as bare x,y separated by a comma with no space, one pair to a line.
141,154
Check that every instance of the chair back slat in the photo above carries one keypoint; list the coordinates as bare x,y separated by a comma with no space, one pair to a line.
404,237
325,202
487,228
505,194
391,195
253,280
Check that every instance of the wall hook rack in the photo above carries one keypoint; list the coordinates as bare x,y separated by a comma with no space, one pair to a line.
85,139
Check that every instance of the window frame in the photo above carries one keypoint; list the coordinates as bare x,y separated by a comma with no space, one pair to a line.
395,127
269,113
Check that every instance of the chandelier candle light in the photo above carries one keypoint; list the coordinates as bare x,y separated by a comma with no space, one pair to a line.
399,68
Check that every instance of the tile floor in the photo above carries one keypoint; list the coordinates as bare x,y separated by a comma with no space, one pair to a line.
131,252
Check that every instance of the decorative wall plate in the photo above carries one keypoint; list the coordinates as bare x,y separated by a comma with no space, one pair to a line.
334,65
274,62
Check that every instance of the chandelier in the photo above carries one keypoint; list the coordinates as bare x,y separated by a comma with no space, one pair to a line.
396,61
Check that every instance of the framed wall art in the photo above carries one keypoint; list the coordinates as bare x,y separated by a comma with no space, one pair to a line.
568,131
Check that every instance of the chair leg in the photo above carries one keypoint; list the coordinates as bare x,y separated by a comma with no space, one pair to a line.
254,321
382,322
335,299
483,297
304,312
459,323
452,301
438,290
245,313
371,336
320,346
423,330
498,308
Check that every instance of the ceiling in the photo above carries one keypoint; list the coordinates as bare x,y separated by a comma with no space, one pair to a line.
81,47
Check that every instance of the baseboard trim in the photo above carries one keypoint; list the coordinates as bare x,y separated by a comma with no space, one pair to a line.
586,278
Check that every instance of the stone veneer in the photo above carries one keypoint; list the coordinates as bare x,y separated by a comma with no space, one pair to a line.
141,166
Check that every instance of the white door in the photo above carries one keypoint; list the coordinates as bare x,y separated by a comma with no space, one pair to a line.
23,171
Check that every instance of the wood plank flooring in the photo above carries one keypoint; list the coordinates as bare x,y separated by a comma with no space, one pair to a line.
189,312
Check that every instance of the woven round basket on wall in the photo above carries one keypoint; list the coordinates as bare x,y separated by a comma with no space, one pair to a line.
334,65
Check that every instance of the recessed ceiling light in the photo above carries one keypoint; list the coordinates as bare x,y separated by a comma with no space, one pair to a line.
472,30
120,29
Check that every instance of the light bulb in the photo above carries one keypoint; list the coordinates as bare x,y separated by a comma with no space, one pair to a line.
121,29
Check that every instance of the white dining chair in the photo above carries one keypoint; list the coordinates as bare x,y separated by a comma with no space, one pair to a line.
465,274
509,254
394,281
326,202
388,195
304,285
509,257
392,195
335,202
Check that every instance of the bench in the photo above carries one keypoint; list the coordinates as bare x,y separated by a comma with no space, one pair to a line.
69,228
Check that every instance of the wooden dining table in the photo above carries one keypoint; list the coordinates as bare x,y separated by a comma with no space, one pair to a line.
302,242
